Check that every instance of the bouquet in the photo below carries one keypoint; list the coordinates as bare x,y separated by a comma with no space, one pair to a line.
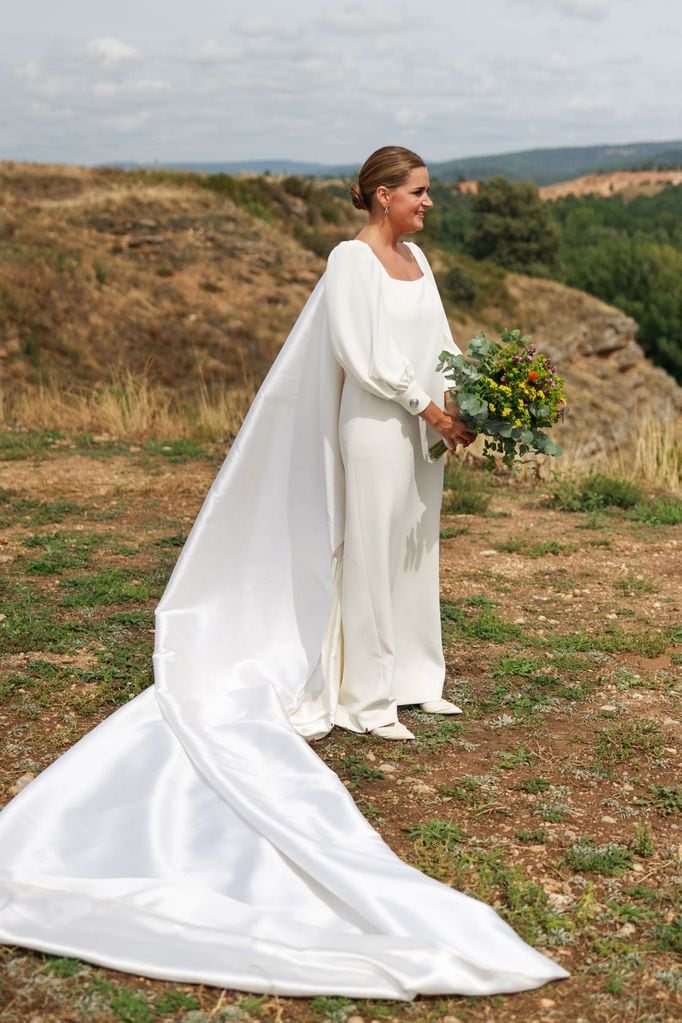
509,392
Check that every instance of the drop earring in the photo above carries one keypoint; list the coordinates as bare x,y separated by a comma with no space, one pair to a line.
386,210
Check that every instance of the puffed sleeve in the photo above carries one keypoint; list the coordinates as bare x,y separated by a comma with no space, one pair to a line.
360,336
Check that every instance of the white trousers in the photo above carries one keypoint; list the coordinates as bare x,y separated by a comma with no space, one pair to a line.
390,608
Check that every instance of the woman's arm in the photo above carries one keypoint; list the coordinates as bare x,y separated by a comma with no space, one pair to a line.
359,330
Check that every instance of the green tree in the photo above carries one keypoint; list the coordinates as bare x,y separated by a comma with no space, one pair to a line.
512,227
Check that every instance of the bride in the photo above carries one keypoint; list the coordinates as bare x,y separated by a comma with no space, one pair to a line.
194,835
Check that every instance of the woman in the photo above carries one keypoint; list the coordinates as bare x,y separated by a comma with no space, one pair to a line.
388,327
194,835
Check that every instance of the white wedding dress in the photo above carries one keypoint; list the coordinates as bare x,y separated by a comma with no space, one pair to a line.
195,835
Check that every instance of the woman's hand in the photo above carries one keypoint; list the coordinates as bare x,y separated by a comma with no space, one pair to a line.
449,425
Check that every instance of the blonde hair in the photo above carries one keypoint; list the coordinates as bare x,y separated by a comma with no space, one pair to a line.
389,166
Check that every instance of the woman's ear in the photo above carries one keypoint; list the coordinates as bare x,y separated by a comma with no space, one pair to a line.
383,195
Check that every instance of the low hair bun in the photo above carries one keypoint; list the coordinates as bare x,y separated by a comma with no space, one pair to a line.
357,196
388,166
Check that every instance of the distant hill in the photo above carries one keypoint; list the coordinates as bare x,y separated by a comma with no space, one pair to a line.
543,166
627,184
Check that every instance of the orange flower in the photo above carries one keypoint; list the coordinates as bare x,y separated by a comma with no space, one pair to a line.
532,375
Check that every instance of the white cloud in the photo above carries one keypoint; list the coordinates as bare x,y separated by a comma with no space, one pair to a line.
125,124
45,84
137,86
355,19
587,10
589,104
110,51
590,10
47,112
213,52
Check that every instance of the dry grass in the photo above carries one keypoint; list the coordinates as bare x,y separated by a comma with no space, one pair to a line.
651,454
129,405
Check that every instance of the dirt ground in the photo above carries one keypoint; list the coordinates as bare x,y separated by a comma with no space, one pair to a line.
555,796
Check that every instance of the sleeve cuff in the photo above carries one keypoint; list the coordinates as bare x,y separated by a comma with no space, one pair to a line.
413,399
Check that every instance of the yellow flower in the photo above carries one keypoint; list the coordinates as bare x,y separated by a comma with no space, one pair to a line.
506,411
517,422
491,406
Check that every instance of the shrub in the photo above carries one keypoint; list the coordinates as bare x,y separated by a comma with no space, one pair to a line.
594,491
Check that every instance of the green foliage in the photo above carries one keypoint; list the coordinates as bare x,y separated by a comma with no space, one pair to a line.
359,770
630,254
465,491
520,757
172,1000
668,936
609,860
62,967
512,227
642,843
484,626
628,742
130,1007
660,511
594,491
666,798
446,834
459,286
533,785
537,837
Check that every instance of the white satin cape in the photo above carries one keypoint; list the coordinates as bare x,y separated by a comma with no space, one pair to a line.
194,835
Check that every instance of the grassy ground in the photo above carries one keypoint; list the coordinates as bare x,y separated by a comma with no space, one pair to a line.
554,797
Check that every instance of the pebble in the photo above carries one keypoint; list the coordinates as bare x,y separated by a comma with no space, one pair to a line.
519,621
608,708
547,1003
627,787
488,554
388,768
612,617
355,1019
626,930
608,820
638,868
21,783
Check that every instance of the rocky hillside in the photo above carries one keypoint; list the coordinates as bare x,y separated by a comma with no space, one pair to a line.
629,184
195,276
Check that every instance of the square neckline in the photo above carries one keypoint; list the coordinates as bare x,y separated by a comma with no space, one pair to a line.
400,280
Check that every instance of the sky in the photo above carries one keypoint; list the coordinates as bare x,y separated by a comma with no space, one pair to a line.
95,81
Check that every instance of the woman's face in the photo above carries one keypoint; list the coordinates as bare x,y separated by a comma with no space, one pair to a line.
408,202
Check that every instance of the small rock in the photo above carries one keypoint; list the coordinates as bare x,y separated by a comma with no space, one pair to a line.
627,787
488,554
355,1019
627,930
612,617
370,756
388,768
570,836
638,868
542,618
517,621
547,1003
608,820
451,1019
608,708
21,783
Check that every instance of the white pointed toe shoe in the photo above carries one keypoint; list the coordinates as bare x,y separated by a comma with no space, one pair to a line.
440,707
396,731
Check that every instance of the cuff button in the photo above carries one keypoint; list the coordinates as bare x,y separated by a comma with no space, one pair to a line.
413,402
